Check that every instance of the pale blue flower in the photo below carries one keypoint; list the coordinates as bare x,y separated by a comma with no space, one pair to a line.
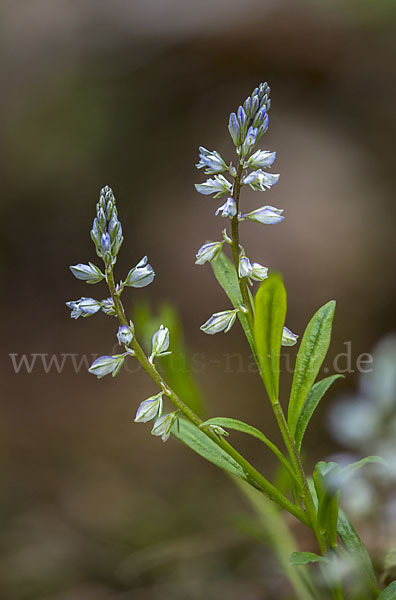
85,307
208,252
250,140
219,186
228,209
251,270
234,129
261,159
267,215
149,409
104,365
221,321
288,337
141,275
260,181
106,243
163,426
124,335
160,343
89,273
212,160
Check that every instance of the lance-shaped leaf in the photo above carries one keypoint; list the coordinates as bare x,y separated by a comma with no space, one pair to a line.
389,593
314,397
355,547
197,440
269,320
236,425
225,274
310,357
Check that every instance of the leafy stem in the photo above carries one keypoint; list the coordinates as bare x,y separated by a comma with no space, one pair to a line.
255,478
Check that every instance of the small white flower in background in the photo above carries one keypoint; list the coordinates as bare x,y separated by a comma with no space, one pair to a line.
149,409
160,343
124,335
260,181
261,159
208,252
141,275
89,273
228,209
163,426
85,307
267,215
221,321
211,160
104,365
251,270
219,186
288,337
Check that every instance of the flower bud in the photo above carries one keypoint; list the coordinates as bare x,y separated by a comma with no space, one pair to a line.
208,252
288,337
261,159
267,215
160,343
104,365
89,273
124,335
85,307
221,321
163,426
149,409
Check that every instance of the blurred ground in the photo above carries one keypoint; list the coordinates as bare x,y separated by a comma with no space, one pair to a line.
123,93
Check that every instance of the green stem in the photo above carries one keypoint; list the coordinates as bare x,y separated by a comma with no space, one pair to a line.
253,475
277,408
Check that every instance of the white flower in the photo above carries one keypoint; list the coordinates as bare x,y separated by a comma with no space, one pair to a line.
228,209
104,365
260,181
149,409
219,186
160,343
288,337
251,270
85,307
267,215
221,321
211,160
89,273
261,159
141,275
163,426
208,252
124,335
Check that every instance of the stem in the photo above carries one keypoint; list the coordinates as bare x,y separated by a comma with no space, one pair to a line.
277,408
253,475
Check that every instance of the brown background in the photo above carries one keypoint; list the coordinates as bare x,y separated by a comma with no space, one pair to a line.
122,93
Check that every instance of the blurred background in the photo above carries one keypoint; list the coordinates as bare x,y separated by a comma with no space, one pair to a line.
122,93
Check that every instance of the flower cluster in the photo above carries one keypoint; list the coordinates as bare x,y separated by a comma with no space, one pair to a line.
151,409
246,126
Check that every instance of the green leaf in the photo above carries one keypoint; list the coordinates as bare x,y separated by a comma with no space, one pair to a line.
303,558
347,471
328,499
245,428
311,354
197,440
389,593
269,320
226,275
314,397
357,549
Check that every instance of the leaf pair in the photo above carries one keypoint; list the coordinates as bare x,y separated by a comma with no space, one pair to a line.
270,315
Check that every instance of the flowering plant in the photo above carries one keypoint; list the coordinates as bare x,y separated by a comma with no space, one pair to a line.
313,501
